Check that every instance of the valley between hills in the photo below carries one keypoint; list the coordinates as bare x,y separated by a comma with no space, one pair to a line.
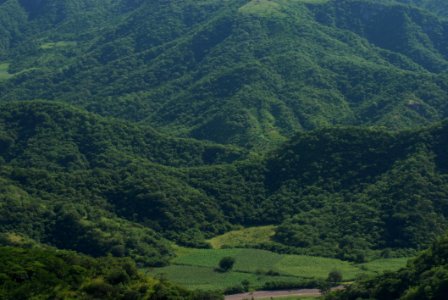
161,149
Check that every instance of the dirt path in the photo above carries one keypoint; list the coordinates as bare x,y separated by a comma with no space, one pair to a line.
277,294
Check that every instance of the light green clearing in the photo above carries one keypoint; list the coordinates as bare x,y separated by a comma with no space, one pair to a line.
4,71
194,268
242,237
60,44
271,7
385,264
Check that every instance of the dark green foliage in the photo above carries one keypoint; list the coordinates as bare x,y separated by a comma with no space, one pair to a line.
334,277
239,72
300,284
226,264
333,175
44,273
425,277
65,171
343,192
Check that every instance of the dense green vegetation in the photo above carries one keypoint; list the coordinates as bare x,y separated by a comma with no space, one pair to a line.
65,170
349,193
49,274
341,192
425,277
295,126
242,72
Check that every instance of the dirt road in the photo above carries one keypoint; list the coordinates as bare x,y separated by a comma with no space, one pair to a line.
277,294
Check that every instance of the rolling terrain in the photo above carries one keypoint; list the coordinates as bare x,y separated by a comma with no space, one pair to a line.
244,73
300,138
325,190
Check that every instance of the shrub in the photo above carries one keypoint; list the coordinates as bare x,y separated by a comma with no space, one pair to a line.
226,264
334,277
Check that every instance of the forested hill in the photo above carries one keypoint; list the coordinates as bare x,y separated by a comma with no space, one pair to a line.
65,170
343,191
45,273
439,7
124,189
54,135
238,72
423,278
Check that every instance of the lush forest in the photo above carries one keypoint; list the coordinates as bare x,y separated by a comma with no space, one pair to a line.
236,72
425,277
45,273
121,188
130,128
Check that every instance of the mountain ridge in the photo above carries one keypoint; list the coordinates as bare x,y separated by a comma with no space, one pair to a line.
256,71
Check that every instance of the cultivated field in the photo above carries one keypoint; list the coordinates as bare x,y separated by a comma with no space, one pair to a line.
195,268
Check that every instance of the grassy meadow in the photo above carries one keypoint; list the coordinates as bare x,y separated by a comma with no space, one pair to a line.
4,74
243,237
60,44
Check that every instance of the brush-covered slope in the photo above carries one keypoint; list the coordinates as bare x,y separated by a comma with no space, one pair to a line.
387,191
64,170
425,277
248,72
344,192
439,7
45,273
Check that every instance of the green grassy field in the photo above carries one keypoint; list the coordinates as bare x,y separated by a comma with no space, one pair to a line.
242,237
270,7
194,268
205,278
4,74
385,264
60,44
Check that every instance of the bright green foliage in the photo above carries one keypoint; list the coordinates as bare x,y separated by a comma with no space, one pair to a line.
425,277
245,237
4,71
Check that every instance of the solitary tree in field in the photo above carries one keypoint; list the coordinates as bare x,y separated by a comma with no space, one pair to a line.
334,277
226,264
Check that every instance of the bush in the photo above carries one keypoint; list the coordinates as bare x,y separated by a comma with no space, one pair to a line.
226,264
334,277
234,290
283,285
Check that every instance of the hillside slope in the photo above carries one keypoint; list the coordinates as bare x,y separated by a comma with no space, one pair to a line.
335,192
45,273
244,72
65,170
425,277
341,192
